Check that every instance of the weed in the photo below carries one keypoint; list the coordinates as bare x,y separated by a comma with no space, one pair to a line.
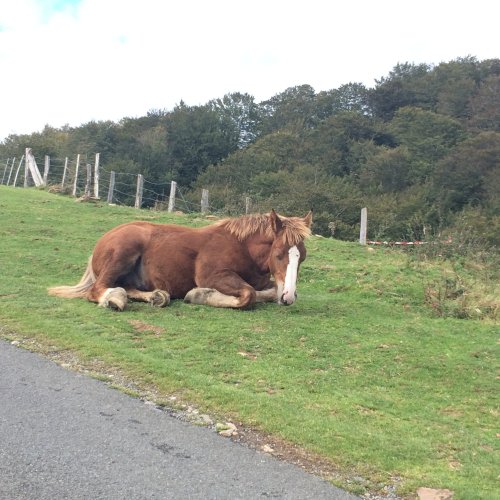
461,277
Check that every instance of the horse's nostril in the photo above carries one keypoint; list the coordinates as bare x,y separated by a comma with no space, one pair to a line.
283,300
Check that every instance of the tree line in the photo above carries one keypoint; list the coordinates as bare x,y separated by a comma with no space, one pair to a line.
420,149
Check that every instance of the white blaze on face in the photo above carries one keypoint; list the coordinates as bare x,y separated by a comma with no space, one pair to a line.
288,295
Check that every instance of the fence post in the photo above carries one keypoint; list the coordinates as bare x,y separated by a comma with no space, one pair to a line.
17,171
364,224
248,205
96,176
204,201
111,186
46,168
64,173
33,168
138,193
5,170
76,173
10,172
89,181
26,174
171,198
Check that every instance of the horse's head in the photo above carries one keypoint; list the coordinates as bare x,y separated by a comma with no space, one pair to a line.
287,253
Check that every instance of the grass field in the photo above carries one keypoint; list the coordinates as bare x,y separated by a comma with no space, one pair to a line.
361,372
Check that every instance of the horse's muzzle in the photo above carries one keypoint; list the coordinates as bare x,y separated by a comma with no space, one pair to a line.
288,301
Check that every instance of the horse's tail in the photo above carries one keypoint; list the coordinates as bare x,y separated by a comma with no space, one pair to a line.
78,290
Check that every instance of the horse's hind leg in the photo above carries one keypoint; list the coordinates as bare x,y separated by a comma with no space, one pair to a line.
157,298
114,298
110,268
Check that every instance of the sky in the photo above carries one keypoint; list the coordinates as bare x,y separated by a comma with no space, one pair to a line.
68,62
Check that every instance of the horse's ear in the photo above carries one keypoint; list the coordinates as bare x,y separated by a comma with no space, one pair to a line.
308,218
276,223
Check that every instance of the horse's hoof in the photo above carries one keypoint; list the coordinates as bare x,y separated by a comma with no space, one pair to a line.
115,299
159,298
198,295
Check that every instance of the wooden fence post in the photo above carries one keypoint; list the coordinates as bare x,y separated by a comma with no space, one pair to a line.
248,205
138,193
76,173
111,186
204,201
5,170
364,224
65,171
10,171
96,176
17,171
171,198
33,168
46,168
89,181
26,174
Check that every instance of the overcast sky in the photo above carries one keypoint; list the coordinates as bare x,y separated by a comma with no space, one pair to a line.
73,61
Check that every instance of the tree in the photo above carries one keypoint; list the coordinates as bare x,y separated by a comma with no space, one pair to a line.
335,201
50,141
280,151
427,136
456,82
387,171
348,97
406,85
400,215
469,175
488,67
144,141
334,144
197,137
295,107
485,105
243,112
94,137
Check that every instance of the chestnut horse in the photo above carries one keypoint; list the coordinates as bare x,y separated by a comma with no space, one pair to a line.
226,264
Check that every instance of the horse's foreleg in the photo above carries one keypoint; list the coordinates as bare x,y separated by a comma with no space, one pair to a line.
268,295
211,297
157,298
222,288
246,297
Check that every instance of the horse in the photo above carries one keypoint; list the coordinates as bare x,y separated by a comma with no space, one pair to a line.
233,263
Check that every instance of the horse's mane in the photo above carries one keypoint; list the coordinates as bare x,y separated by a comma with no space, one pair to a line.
295,229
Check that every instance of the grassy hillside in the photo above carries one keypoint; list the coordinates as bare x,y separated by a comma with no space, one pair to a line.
361,372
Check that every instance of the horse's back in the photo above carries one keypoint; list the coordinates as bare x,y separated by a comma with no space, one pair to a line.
140,232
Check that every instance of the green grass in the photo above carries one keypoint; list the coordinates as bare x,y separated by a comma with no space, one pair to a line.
359,371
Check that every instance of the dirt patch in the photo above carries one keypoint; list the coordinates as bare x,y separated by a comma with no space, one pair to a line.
140,326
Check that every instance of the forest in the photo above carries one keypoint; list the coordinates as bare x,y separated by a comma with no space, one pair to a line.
420,149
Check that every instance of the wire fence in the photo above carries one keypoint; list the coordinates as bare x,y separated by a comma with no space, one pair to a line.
83,178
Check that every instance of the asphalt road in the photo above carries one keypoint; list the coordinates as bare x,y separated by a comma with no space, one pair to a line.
67,436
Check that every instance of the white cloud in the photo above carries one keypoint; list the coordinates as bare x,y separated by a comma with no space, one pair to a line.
107,59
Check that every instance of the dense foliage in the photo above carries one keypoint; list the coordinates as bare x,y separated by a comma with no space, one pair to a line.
421,150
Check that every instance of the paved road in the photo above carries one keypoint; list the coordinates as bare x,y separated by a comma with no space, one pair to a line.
66,436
